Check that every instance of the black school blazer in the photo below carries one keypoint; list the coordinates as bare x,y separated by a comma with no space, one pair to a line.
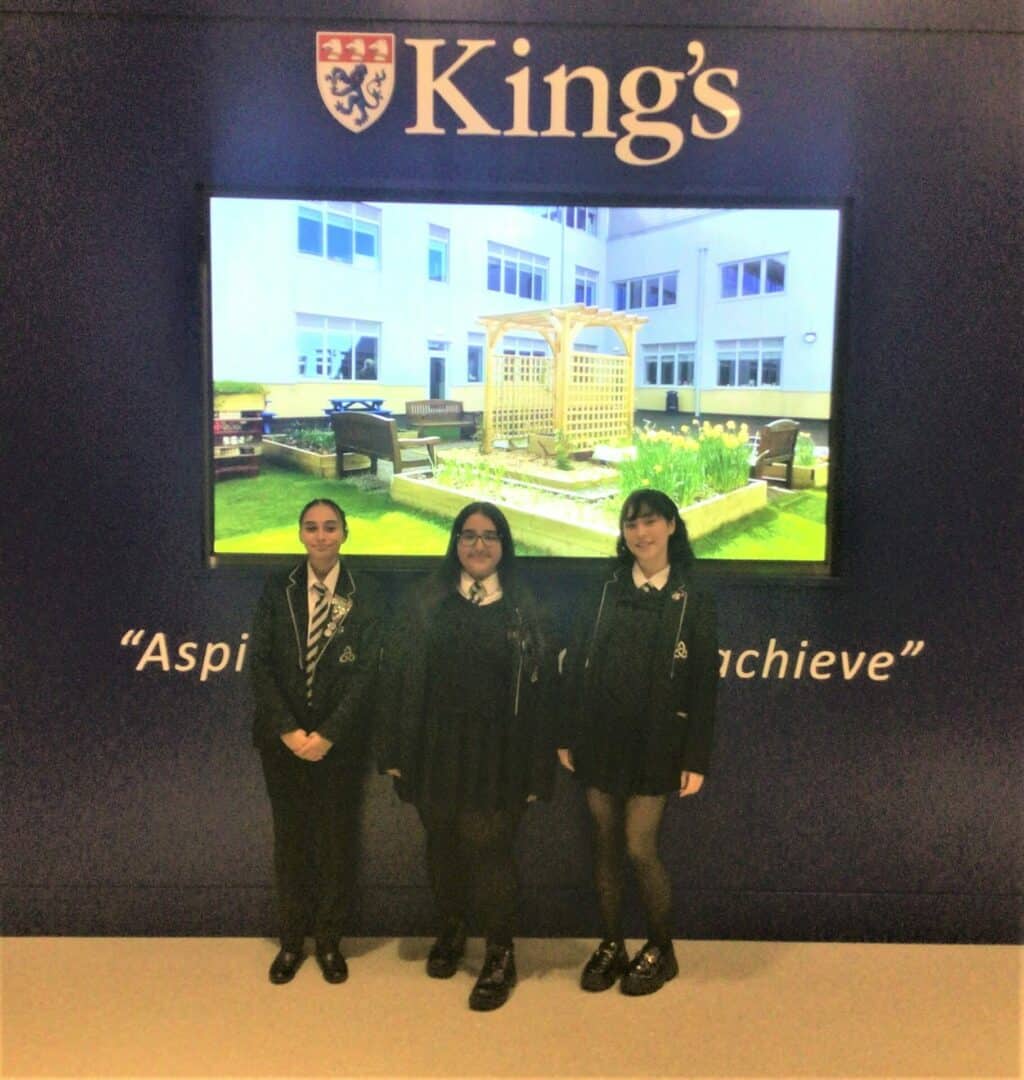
346,671
685,685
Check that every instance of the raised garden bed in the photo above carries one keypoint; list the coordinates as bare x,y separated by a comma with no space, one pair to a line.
309,461
804,476
561,525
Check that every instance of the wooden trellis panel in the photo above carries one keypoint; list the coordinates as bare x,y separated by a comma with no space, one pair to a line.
598,404
523,394
587,397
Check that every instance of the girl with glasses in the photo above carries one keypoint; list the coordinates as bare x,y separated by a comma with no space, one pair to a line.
466,735
640,679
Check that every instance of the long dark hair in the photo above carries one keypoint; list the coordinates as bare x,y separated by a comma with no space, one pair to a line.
446,579
645,501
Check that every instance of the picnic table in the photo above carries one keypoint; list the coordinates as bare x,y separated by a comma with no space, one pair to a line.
357,404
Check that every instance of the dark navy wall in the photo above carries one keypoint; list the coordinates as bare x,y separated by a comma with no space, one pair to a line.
844,809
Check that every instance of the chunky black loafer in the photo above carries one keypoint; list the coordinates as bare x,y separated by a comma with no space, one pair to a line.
602,970
650,969
496,980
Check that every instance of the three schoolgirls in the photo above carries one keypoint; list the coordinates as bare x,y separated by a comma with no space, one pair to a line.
471,720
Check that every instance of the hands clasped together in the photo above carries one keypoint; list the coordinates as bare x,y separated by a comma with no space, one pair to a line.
310,746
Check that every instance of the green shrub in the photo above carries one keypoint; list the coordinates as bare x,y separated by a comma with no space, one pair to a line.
315,439
804,454
688,465
234,386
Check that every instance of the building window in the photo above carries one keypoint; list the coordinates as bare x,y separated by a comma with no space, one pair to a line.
654,290
754,277
329,348
518,273
475,358
586,286
583,218
437,254
311,231
511,345
668,364
750,362
341,232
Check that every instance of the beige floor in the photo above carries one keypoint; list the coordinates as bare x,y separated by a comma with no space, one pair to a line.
118,1007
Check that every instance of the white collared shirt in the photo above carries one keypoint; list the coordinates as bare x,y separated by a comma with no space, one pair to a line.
657,581
330,583
491,584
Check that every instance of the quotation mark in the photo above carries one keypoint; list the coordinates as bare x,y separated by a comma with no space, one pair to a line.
132,637
912,648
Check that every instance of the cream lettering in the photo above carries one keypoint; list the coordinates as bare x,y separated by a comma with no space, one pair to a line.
429,85
650,129
774,662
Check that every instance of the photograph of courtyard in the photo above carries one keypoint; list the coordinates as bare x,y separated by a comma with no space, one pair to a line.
408,358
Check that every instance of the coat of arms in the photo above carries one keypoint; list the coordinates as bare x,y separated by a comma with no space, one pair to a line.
356,75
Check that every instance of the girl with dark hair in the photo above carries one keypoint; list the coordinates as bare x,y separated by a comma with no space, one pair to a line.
640,679
465,734
315,647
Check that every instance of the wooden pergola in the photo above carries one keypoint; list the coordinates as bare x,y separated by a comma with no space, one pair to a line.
585,396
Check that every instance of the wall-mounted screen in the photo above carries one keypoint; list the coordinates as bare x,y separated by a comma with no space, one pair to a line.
406,358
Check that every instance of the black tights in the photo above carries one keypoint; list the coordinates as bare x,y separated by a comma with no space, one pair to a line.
471,861
630,826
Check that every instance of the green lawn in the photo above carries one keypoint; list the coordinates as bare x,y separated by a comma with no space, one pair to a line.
792,526
258,515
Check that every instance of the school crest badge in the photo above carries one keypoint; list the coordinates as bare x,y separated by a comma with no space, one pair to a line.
355,74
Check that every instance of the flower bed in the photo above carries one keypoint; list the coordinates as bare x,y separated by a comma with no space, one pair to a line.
689,465
561,524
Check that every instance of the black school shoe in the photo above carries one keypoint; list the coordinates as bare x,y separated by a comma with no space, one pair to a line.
446,952
650,969
332,963
608,962
285,964
496,980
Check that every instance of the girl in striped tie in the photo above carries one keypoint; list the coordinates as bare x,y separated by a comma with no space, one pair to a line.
314,651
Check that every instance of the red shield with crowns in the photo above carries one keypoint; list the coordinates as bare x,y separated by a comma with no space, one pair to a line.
355,74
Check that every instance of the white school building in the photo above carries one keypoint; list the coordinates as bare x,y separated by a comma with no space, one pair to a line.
322,300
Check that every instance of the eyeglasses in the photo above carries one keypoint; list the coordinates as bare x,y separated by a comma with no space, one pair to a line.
469,537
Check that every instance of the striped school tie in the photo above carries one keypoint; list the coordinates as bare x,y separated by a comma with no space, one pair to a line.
315,638
477,592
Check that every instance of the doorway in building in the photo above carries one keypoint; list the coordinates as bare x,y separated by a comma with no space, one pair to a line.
438,353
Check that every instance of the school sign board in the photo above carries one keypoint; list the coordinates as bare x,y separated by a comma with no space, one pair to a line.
866,777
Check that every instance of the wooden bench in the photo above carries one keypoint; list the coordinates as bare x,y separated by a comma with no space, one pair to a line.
445,418
377,437
775,444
